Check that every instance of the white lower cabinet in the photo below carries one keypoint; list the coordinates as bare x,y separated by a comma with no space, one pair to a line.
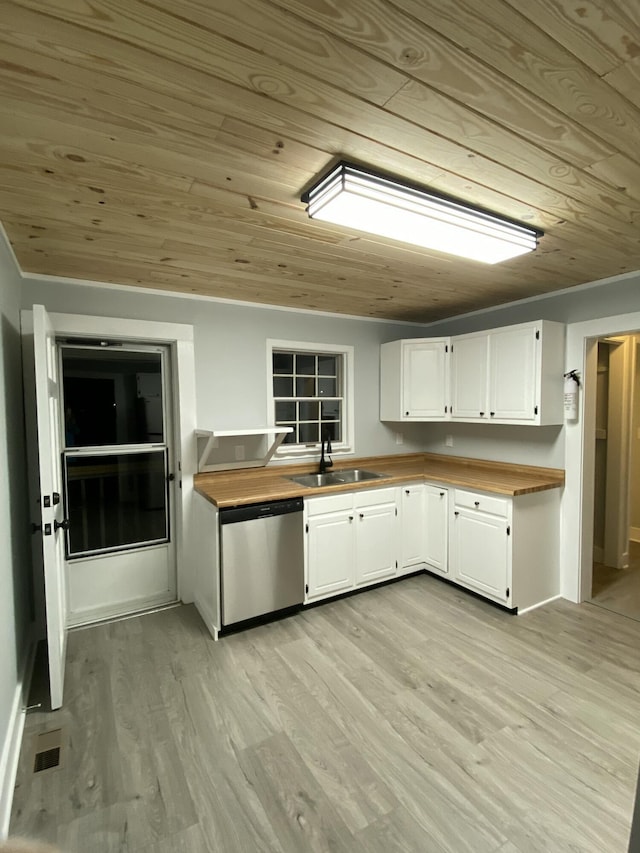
436,528
330,549
412,528
480,544
507,549
504,548
351,541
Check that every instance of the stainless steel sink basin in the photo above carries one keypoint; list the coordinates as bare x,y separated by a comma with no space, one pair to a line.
336,478
312,481
357,475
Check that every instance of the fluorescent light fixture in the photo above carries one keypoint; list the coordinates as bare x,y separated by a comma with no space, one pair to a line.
357,198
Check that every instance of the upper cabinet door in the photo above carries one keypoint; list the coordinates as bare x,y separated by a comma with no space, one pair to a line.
469,376
513,374
425,379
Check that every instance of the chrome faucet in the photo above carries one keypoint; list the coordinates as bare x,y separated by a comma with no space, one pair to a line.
325,463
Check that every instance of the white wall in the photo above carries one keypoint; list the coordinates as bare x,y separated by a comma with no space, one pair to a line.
231,352
15,568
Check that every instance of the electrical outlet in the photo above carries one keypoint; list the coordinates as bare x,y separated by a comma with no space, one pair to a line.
239,452
399,438
448,441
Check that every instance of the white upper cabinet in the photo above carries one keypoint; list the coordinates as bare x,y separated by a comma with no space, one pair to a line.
512,375
469,365
414,380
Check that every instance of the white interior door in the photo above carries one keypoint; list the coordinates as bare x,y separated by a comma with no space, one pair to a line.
48,498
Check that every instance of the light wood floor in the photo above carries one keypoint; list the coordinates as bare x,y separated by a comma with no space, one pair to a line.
619,589
408,718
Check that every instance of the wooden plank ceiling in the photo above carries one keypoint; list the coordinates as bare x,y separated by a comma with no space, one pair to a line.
166,143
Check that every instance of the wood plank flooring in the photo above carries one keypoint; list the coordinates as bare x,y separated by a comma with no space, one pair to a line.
408,718
619,589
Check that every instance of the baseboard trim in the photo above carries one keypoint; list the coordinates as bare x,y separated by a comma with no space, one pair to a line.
539,604
13,741
634,534
207,616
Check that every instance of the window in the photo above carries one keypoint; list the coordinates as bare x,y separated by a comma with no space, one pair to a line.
310,390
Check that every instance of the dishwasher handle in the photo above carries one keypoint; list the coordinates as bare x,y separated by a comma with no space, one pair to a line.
251,512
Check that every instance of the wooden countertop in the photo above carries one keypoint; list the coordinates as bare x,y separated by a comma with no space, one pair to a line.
254,485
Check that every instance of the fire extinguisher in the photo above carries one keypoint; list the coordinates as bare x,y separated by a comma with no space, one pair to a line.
571,386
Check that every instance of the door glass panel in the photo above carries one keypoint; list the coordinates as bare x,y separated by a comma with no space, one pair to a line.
112,397
115,501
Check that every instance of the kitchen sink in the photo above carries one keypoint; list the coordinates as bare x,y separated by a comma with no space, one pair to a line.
312,481
336,478
357,475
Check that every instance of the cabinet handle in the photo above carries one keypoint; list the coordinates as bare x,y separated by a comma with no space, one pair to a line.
441,494
406,414
407,492
456,513
350,518
361,515
476,503
481,414
492,413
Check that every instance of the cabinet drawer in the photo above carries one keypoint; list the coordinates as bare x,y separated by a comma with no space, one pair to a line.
483,502
371,497
329,503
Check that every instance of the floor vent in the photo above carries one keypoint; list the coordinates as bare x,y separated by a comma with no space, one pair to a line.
47,751
46,760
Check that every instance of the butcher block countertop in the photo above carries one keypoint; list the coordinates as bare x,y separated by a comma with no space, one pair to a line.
254,485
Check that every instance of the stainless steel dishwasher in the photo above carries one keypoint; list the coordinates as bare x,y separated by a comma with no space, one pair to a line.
262,559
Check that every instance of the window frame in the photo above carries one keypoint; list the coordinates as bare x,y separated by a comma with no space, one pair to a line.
346,352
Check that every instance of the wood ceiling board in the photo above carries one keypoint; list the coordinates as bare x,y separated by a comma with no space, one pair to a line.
504,39
159,110
430,58
596,34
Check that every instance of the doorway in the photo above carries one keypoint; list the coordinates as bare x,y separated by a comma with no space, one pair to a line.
116,435
615,582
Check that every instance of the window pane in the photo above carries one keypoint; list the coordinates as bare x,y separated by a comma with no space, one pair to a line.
115,501
309,433
327,388
285,412
112,397
309,411
327,365
305,387
330,410
306,365
282,387
283,362
332,429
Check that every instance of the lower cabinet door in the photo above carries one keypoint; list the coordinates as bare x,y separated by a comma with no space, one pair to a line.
330,554
412,528
480,549
376,542
436,550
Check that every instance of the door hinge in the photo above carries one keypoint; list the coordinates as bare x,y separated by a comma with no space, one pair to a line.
46,501
446,349
306,528
396,512
508,591
446,408
396,564
537,334
306,588
508,531
56,498
535,411
47,530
